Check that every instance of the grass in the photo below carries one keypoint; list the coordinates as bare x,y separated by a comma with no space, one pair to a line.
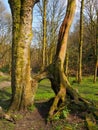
87,88
44,91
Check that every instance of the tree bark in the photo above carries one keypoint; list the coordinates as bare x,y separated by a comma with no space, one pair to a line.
22,36
96,51
44,54
59,81
81,43
66,64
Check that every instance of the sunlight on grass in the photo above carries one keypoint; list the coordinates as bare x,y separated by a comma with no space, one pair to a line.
87,88
44,90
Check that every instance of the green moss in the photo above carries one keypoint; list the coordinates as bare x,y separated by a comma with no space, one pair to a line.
31,108
18,116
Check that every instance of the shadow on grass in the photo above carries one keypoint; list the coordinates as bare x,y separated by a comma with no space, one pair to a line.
4,99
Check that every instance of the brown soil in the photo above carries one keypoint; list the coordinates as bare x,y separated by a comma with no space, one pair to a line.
36,120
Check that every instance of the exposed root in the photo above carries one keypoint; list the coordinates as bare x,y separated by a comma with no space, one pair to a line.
6,116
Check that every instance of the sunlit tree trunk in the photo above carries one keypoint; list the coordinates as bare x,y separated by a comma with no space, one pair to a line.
44,57
64,93
80,43
59,81
22,36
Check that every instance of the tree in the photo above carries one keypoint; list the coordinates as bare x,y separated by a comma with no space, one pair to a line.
64,93
80,43
22,94
96,44
55,71
22,36
59,82
44,34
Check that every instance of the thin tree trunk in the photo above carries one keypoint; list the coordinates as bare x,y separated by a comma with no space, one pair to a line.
22,36
96,52
80,43
44,35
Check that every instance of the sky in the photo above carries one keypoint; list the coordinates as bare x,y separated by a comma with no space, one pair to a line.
6,4
34,18
8,8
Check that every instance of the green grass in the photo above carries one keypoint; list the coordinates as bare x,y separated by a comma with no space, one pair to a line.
44,91
87,88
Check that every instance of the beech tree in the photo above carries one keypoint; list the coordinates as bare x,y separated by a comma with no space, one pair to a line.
22,36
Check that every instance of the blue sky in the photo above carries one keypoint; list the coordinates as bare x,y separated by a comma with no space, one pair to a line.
6,4
34,18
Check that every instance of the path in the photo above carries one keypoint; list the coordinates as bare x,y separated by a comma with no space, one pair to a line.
4,84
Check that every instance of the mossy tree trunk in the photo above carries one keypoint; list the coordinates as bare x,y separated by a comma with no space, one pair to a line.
59,80
22,36
64,93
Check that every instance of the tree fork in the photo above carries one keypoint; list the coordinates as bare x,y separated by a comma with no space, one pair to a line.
58,73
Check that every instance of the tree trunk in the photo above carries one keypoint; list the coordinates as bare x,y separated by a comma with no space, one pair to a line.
81,43
22,36
60,84
59,81
44,57
96,51
64,93
66,64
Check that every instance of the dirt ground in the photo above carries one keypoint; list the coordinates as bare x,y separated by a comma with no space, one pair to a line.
37,119
4,84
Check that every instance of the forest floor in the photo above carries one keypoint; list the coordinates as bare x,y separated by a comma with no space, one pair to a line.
36,116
